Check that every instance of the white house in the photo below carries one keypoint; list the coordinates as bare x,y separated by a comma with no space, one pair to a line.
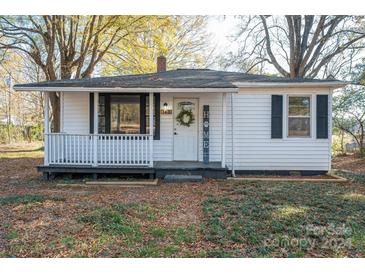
195,121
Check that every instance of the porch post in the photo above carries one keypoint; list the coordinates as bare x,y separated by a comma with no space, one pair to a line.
46,126
151,103
224,118
96,126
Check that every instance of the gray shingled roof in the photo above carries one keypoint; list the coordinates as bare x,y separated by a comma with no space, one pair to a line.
180,78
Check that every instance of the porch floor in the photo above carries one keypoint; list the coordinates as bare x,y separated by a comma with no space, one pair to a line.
159,170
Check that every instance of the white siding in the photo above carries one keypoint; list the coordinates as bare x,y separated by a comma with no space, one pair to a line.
253,147
76,112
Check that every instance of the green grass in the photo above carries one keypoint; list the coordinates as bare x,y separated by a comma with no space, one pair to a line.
114,222
355,177
285,220
158,232
27,199
133,228
241,219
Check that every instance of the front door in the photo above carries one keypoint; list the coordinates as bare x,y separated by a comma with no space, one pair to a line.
186,129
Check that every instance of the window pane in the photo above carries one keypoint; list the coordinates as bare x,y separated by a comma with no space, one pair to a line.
299,106
299,127
125,114
101,121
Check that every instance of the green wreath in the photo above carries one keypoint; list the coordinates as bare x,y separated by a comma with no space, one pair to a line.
180,118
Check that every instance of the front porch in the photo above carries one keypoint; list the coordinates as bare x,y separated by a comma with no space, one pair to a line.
159,169
150,141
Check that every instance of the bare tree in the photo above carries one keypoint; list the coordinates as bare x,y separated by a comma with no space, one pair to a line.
349,114
297,46
65,47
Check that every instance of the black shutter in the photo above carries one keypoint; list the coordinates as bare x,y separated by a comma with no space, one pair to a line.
157,116
91,112
143,114
276,116
322,116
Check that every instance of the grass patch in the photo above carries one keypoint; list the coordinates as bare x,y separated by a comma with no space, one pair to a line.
158,232
285,219
68,241
111,221
185,235
27,199
352,176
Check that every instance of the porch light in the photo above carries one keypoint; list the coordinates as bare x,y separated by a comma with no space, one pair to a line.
166,109
165,105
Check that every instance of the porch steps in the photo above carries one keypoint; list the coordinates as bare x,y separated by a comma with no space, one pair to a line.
124,183
171,178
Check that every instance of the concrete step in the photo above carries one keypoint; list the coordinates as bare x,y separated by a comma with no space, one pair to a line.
177,178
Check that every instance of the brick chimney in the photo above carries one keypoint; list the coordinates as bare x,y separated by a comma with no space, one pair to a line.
161,63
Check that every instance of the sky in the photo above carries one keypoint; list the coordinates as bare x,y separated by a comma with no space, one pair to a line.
221,27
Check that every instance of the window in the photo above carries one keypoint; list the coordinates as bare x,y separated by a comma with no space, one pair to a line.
299,112
127,114
101,114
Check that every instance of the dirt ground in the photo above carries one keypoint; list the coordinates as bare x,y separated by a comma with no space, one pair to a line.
213,219
18,177
350,163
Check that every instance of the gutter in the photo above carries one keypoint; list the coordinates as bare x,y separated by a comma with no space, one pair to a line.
119,89
326,84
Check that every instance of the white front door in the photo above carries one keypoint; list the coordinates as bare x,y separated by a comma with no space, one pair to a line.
185,129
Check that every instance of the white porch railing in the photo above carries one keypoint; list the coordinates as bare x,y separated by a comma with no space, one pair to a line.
98,149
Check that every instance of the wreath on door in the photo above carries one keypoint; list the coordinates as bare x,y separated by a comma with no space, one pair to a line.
185,117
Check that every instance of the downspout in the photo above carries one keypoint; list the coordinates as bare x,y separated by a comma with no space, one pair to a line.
232,139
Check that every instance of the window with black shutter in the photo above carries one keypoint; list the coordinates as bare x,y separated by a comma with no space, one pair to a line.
125,113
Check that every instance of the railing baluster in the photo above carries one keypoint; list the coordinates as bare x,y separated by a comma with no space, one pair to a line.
137,149
104,152
77,149
118,150
125,150
54,149
130,149
81,149
110,152
69,149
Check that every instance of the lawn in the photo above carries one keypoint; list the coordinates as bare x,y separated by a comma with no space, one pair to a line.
213,219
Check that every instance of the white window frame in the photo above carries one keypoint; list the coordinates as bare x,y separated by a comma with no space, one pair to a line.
312,104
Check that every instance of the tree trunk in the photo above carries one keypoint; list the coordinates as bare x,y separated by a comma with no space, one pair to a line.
55,103
342,140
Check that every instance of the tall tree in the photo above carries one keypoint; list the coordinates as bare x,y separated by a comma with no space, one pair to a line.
349,108
183,40
65,47
297,46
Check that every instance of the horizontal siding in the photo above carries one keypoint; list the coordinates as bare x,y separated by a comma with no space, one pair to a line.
76,112
255,150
